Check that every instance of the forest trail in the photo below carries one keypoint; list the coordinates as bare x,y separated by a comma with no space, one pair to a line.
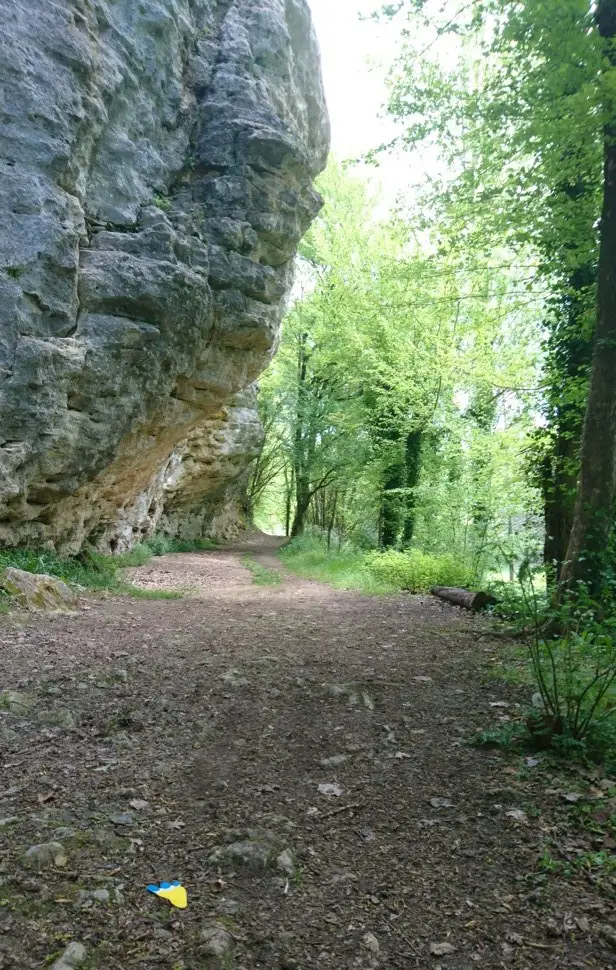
297,756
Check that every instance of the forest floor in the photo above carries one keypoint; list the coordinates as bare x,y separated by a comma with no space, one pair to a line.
298,756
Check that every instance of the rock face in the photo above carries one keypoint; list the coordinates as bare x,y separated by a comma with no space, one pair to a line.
156,169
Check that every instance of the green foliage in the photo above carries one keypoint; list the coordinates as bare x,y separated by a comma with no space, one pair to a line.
395,410
162,202
596,865
345,568
418,571
159,545
576,677
512,736
90,570
571,655
372,572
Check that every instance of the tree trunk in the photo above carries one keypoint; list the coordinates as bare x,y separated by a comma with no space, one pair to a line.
413,471
289,485
568,367
302,504
594,508
559,482
332,519
463,597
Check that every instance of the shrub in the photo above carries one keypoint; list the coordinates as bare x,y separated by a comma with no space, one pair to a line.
417,571
345,568
576,678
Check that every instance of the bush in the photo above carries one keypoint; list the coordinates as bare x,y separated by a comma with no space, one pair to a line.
345,568
159,545
576,679
418,571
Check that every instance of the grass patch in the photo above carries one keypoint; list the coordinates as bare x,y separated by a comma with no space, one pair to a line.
345,569
91,570
373,573
161,545
262,575
599,865
510,665
514,737
418,571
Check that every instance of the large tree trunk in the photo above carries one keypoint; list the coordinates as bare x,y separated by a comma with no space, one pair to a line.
413,471
569,359
594,508
302,504
392,511
559,483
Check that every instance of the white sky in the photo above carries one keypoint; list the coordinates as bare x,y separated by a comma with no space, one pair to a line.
356,56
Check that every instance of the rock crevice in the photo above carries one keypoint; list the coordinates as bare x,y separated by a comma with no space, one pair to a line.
156,175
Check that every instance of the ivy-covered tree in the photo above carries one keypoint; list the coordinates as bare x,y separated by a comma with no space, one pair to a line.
521,113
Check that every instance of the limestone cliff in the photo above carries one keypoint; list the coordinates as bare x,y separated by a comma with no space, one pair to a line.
156,168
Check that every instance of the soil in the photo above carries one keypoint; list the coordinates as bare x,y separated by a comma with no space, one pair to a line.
153,735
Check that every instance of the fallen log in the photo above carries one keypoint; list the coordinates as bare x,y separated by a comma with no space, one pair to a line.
464,597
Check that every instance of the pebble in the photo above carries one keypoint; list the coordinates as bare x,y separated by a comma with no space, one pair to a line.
336,759
17,701
285,863
248,853
218,942
43,855
73,956
122,818
228,907
65,719
86,897
371,943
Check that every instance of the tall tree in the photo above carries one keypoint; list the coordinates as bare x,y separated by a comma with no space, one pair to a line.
515,114
594,509
397,385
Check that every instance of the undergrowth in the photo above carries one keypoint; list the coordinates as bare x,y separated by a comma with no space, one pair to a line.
373,572
344,569
93,571
567,652
418,571
524,735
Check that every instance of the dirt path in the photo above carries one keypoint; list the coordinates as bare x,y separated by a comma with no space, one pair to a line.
297,756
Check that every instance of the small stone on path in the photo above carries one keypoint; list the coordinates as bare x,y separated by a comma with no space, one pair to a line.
442,949
16,701
330,788
285,863
122,818
44,855
218,943
73,956
336,759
